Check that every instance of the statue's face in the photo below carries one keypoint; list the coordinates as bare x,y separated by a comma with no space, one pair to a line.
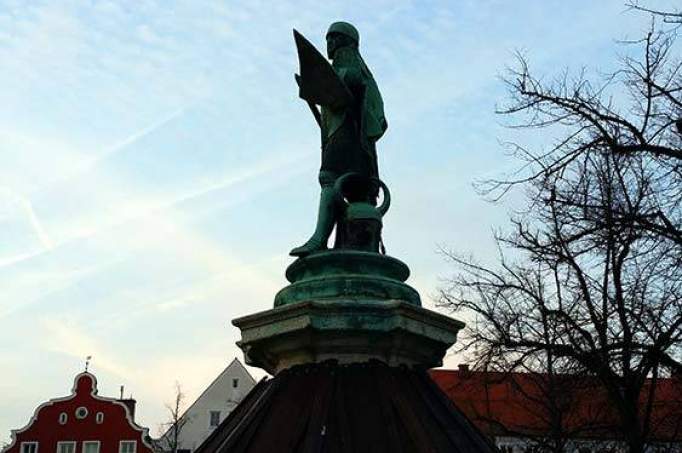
335,41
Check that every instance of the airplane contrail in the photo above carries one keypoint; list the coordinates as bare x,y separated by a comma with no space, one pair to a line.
132,138
90,162
29,212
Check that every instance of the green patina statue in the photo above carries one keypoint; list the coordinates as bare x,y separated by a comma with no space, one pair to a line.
351,121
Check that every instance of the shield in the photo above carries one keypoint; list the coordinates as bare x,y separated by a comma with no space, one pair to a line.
318,82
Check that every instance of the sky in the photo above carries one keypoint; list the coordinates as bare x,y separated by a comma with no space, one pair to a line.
156,166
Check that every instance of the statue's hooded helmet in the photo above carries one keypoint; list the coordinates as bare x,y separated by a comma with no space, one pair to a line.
346,29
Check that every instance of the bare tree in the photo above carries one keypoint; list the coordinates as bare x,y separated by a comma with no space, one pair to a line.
670,17
599,300
169,442
635,112
595,281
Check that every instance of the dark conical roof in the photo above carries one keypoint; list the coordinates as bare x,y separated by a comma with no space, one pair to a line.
326,408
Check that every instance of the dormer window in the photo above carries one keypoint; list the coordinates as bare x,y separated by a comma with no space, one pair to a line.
235,383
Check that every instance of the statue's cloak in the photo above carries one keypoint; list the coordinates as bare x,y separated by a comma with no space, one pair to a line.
356,76
352,117
346,87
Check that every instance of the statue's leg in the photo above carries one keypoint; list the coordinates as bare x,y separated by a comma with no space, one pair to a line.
326,218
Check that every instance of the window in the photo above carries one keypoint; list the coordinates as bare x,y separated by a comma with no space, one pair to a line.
91,446
127,446
66,447
81,413
235,383
99,418
29,447
214,419
63,418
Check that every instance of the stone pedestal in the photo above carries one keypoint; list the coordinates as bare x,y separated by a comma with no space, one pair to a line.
349,307
347,331
347,341
356,408
349,346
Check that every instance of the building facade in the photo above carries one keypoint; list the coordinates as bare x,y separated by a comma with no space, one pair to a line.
82,422
211,408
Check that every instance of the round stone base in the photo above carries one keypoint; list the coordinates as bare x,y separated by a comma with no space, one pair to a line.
348,275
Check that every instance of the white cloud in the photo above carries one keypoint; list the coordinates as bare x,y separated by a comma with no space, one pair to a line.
27,210
66,337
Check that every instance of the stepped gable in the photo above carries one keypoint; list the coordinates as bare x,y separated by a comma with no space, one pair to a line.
82,422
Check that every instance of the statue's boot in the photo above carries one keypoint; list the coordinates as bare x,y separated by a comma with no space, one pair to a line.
325,225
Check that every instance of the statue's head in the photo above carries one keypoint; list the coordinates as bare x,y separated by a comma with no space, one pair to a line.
341,34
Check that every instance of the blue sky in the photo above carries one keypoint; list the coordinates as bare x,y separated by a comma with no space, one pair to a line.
157,166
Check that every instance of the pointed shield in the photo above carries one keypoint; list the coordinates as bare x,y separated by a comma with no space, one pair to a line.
318,82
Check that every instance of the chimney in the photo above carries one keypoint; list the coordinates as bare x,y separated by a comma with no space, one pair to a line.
463,368
130,404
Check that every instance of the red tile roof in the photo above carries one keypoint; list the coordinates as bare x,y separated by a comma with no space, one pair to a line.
516,404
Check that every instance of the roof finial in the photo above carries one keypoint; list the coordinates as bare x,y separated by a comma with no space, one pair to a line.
87,362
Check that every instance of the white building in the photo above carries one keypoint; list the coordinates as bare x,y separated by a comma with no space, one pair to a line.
212,407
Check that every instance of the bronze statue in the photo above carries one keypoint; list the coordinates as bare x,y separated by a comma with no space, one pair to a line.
351,121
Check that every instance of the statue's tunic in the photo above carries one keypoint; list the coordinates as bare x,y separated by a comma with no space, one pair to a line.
349,134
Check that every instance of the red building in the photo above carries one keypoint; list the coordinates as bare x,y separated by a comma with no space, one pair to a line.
82,422
514,409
